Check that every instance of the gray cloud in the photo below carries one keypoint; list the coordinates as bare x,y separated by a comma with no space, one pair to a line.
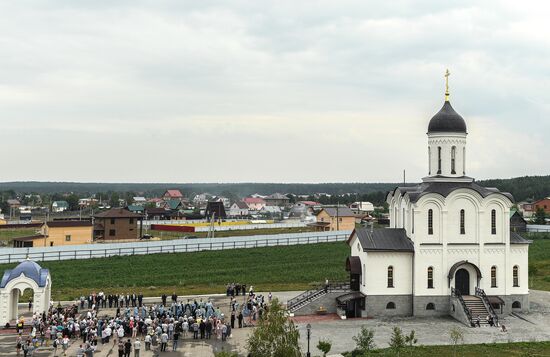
310,91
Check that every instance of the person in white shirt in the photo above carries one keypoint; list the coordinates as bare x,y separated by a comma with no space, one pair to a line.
147,342
137,347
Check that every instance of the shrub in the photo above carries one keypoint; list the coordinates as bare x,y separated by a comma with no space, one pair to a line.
324,346
365,340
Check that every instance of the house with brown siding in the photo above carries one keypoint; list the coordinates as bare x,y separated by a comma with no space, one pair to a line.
117,224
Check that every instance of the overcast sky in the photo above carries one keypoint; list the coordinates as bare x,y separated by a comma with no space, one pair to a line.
268,91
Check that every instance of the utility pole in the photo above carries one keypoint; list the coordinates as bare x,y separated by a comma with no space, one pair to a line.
337,216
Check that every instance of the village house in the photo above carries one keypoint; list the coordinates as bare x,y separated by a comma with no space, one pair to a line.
117,224
277,199
335,219
238,209
216,209
57,233
139,200
60,206
172,194
254,203
361,207
527,209
542,204
517,223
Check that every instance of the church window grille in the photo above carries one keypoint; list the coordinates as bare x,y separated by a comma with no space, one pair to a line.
453,160
462,228
430,278
390,306
493,276
430,221
439,159
430,306
390,277
515,275
493,222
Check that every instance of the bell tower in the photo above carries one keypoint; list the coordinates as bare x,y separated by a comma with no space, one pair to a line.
447,143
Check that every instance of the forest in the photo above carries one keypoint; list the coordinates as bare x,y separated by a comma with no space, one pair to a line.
523,188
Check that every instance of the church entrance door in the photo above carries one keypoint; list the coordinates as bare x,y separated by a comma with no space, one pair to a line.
462,281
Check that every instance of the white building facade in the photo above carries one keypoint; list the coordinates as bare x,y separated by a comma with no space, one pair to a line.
449,241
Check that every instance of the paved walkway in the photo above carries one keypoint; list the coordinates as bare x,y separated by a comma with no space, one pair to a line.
429,331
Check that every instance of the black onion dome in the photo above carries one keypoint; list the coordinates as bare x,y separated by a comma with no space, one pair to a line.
447,120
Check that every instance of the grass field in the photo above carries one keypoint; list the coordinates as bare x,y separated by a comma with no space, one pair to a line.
232,233
273,268
539,261
7,235
481,350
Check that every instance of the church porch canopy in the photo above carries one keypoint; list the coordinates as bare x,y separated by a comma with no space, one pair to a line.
353,265
350,296
457,265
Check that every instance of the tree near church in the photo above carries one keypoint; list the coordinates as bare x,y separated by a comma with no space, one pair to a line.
457,337
397,340
364,340
275,335
324,346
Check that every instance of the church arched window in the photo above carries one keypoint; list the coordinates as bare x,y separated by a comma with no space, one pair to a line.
515,275
429,160
493,221
453,160
439,159
493,276
430,277
430,221
390,276
462,219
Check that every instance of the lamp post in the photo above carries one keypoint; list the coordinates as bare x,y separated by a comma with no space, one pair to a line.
308,327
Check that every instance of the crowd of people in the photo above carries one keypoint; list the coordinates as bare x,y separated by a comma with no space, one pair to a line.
134,325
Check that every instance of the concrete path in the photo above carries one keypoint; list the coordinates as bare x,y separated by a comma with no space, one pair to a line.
429,331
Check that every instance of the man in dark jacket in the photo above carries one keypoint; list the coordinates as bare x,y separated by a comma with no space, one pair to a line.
127,348
202,328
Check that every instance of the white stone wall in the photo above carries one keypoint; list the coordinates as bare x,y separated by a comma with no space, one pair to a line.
377,263
446,141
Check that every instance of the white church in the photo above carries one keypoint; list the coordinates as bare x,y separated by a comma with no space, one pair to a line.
449,249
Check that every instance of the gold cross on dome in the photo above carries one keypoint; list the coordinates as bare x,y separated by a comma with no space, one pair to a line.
447,74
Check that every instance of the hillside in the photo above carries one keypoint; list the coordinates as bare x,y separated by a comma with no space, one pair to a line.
521,187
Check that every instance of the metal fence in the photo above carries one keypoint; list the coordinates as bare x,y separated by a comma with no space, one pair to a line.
538,228
89,251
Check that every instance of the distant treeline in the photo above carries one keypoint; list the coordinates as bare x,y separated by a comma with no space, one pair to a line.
239,189
528,187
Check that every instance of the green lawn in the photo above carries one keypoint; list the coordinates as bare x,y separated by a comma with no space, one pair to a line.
273,268
539,261
7,235
482,350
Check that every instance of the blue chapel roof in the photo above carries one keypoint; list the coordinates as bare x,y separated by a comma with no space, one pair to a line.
31,270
